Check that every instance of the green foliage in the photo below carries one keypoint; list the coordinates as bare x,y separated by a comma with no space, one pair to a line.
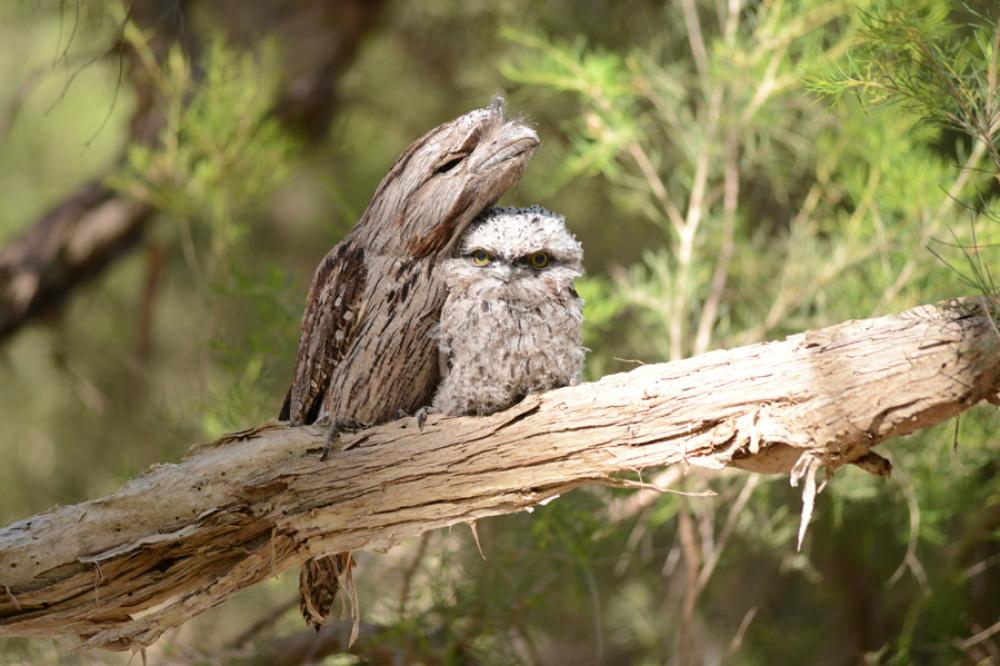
220,154
602,306
912,54
826,212
269,299
61,116
220,150
600,77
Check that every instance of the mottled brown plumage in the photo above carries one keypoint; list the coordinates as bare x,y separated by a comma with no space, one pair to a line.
366,350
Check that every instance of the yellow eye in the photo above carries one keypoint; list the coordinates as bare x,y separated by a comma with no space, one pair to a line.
539,260
481,258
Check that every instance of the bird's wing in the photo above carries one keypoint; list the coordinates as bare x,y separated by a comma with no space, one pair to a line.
444,351
334,308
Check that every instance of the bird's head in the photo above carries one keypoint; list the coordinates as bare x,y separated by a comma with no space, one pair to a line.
516,254
446,178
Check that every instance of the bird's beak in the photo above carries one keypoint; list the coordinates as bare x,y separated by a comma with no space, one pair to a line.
521,272
515,142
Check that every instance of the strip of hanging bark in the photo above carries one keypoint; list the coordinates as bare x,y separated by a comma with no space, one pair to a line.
121,570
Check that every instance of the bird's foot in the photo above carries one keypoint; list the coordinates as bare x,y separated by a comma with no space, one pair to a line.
421,416
334,443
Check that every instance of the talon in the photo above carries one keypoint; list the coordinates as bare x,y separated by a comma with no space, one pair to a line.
332,437
400,414
421,416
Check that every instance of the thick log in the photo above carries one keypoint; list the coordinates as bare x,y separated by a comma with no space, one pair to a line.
121,570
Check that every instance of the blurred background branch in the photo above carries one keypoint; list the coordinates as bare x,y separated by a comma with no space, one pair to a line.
86,231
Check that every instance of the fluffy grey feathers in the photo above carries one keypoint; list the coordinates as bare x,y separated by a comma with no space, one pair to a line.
511,321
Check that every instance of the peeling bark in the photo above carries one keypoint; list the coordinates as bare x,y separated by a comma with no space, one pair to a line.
181,538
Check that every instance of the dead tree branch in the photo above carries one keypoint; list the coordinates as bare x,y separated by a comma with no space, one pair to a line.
120,570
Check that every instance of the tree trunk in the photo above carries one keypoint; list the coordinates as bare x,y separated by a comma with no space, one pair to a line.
181,538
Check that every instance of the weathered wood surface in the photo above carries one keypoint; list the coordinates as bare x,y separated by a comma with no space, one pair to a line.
121,570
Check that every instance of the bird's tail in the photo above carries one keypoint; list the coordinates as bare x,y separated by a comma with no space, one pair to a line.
319,581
